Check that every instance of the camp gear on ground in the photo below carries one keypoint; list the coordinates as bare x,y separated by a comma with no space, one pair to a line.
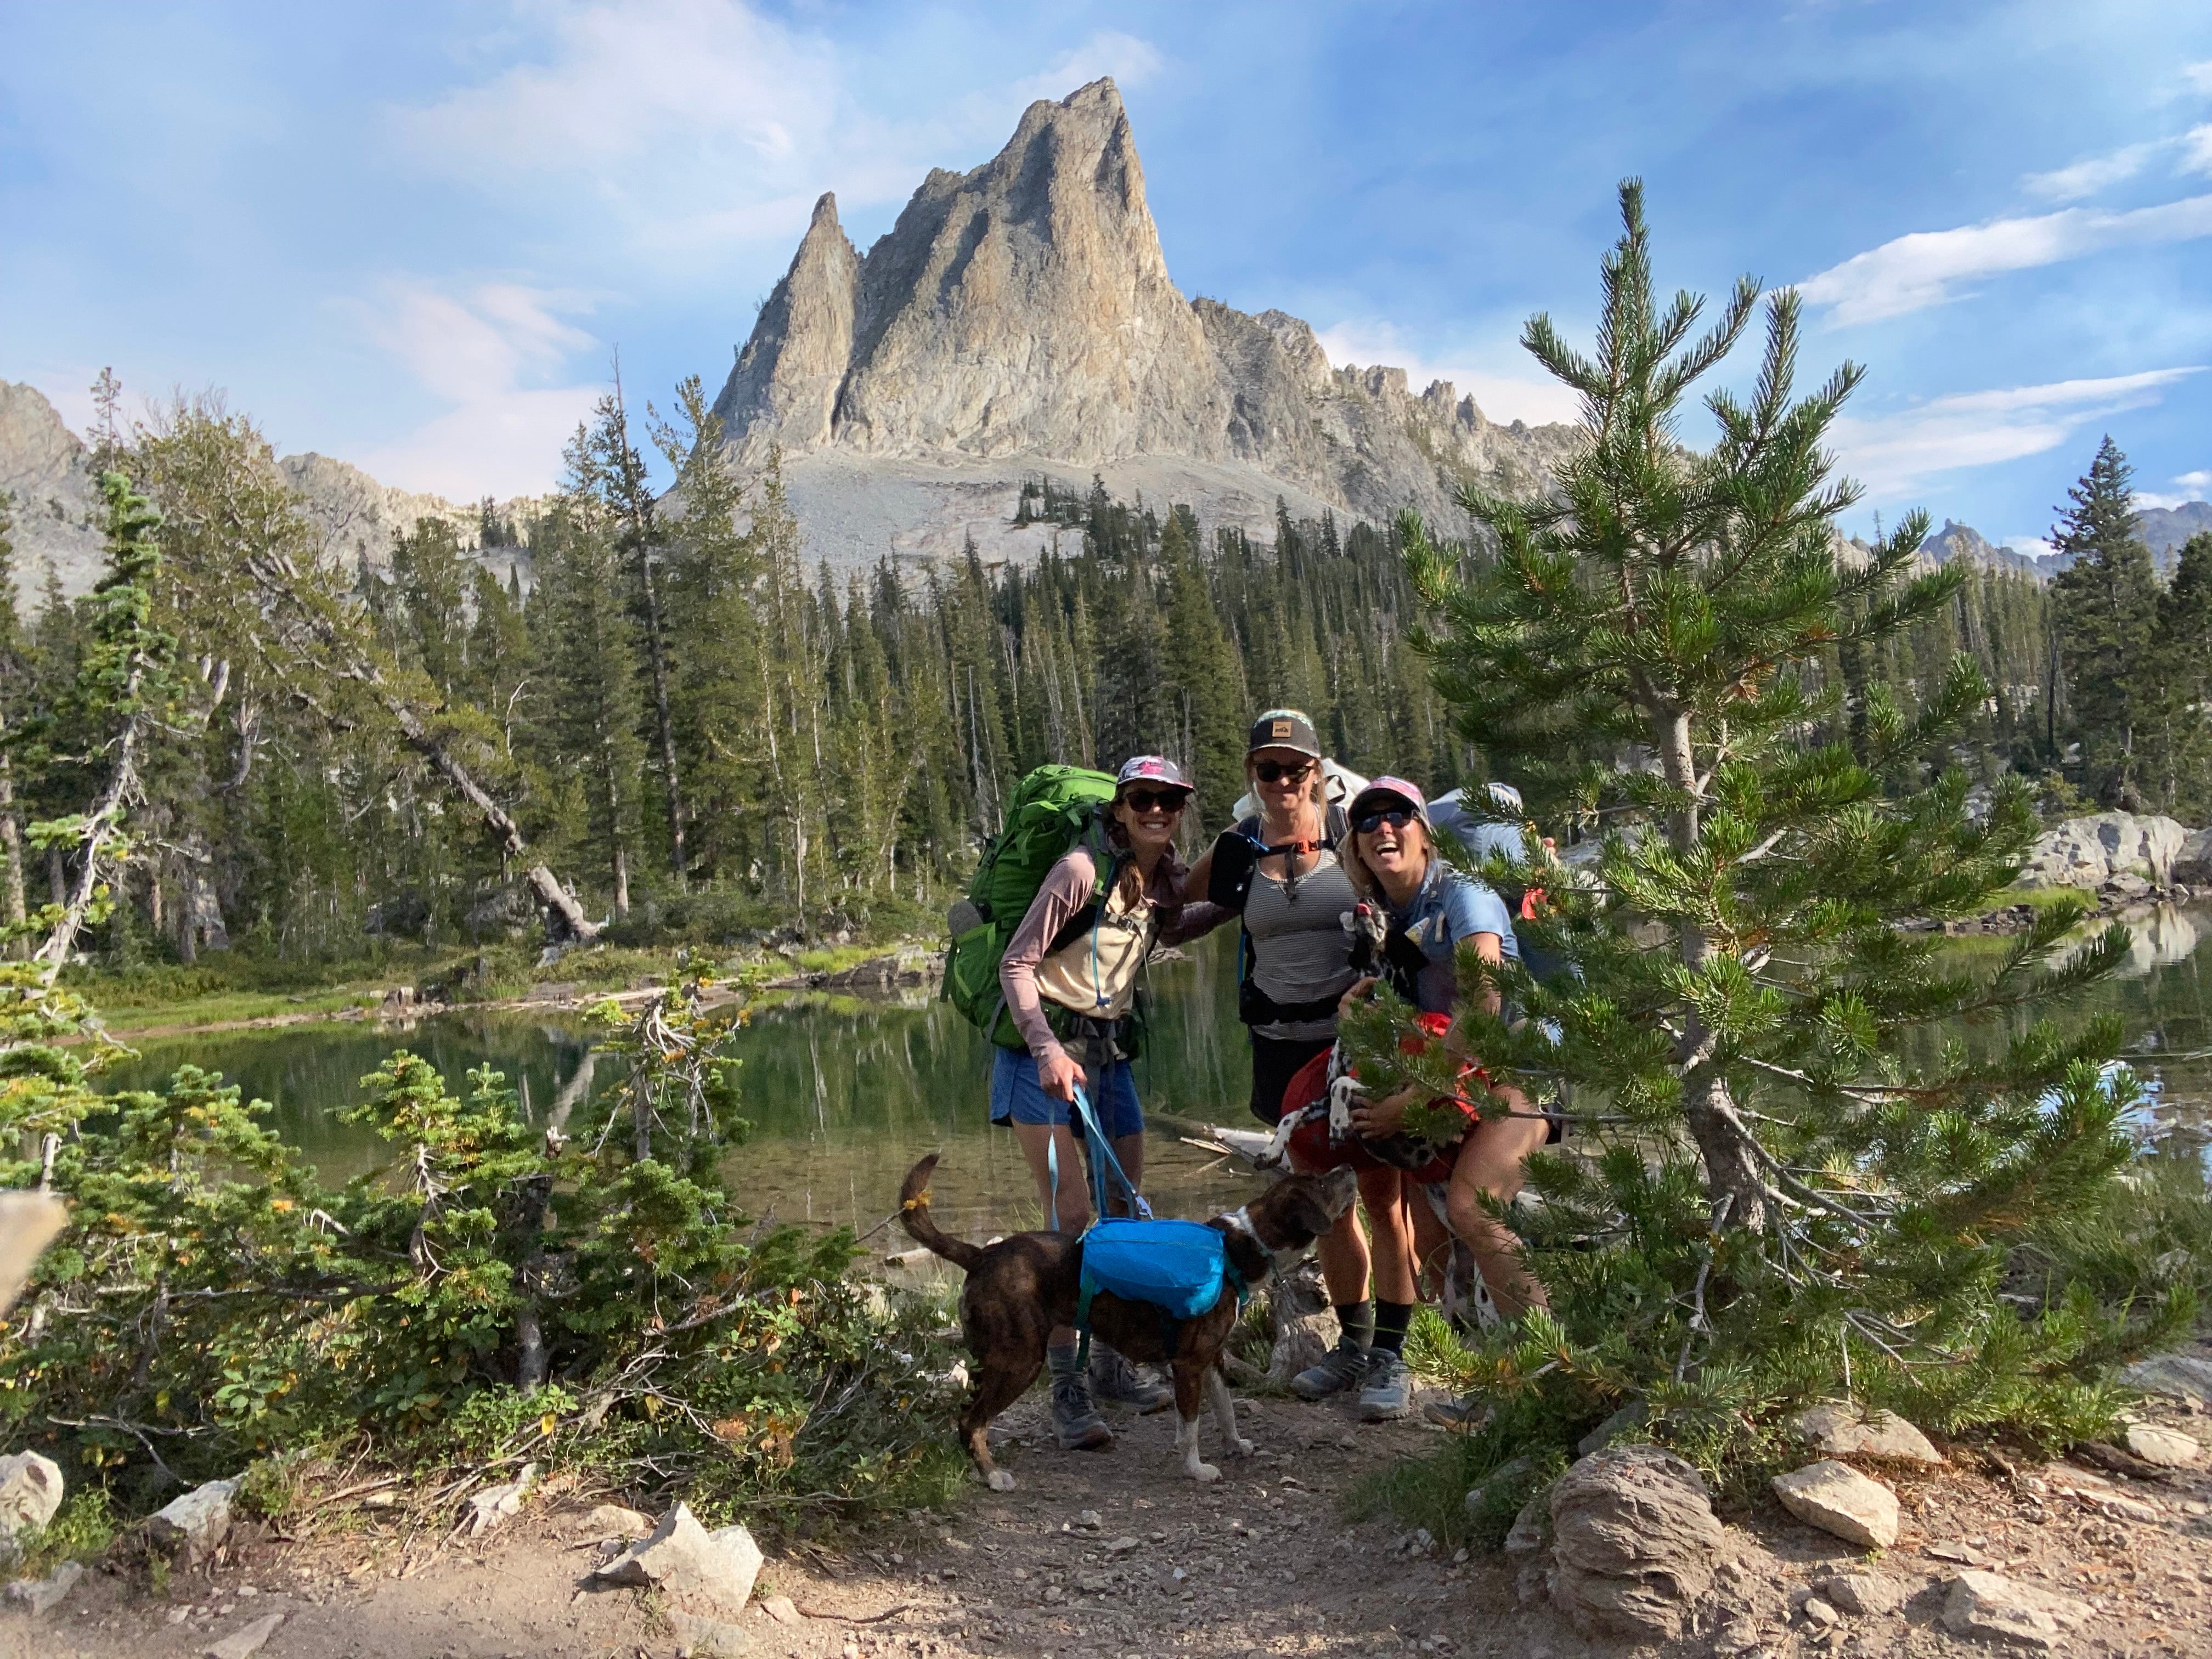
1055,809
1285,728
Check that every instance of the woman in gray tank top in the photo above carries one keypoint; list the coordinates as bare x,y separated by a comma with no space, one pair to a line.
1279,872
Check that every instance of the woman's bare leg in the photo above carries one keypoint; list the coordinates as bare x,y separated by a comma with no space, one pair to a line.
1383,1194
1494,1160
1039,1142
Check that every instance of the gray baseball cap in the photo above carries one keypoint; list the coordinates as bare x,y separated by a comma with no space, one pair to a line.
1285,728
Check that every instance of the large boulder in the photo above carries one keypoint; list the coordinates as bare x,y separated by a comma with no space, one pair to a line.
2089,852
2193,863
30,1492
1635,1543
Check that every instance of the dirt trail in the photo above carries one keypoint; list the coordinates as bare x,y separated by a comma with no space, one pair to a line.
1260,1563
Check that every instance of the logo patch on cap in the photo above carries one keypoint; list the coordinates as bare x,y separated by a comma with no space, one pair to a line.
1281,729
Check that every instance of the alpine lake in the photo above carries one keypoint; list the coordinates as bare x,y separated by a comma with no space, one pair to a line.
843,1094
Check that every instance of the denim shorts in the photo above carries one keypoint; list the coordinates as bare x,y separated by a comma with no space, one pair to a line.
1016,1097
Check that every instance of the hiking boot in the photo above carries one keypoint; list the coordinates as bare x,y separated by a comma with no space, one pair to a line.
1469,1413
1114,1378
1389,1393
1344,1366
1075,1420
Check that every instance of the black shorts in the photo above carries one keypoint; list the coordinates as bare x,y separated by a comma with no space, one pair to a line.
1275,1062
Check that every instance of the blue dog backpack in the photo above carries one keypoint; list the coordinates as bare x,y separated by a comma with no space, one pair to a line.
1179,1267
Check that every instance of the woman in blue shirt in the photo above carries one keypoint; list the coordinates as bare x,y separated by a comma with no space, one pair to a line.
1432,909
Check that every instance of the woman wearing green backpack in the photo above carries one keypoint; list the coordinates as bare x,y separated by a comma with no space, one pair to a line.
1069,976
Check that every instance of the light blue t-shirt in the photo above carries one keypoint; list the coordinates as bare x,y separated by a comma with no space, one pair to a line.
1449,907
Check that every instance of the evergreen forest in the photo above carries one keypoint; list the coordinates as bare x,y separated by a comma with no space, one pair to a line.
649,696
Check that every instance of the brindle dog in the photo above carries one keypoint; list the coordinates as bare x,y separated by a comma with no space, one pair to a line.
1020,1288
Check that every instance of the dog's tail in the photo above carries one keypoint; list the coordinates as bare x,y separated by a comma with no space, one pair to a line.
913,1216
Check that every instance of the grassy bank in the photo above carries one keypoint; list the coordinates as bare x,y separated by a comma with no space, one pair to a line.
236,987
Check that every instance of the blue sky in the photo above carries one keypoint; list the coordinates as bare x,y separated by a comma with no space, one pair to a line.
412,235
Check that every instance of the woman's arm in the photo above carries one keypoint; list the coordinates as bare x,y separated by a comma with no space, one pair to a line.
1065,889
1387,1116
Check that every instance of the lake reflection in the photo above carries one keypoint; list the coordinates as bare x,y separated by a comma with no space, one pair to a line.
843,1095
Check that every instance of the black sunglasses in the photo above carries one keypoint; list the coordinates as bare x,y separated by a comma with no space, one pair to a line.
1397,817
1170,800
1275,771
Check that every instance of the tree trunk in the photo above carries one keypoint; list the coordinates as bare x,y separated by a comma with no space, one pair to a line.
657,654
278,581
13,904
1735,1182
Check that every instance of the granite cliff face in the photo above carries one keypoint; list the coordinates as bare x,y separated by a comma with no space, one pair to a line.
46,468
1019,319
44,471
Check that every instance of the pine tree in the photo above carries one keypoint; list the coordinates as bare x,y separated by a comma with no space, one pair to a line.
1785,1189
586,663
1204,691
605,463
430,584
2183,670
2105,605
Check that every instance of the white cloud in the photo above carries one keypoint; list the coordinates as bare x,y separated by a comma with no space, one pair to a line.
1926,267
2199,480
2196,149
2199,75
684,126
2092,173
2035,547
1891,454
1503,398
1130,61
488,353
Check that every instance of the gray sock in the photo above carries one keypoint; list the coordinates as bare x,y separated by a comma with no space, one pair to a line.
1061,1357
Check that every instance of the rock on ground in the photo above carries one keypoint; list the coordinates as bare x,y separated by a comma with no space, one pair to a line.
2167,1447
1635,1543
1986,1604
615,1521
1835,1498
2183,1376
782,1609
40,1593
488,1508
194,1524
246,1641
30,1492
1841,1430
1865,1593
684,1559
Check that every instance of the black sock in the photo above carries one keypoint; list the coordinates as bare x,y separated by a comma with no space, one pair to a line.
1355,1322
1391,1319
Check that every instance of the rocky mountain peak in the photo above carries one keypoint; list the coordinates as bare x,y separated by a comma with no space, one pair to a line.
1019,318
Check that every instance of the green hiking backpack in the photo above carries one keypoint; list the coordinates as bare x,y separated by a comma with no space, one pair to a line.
1055,809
